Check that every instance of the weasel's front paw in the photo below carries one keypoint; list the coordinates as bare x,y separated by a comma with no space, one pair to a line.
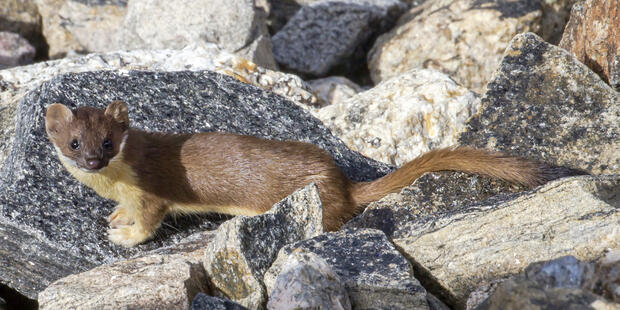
127,235
121,217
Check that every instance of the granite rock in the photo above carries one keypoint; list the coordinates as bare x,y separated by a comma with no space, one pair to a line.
306,281
375,274
455,252
464,39
74,26
528,295
327,34
333,89
402,117
593,36
544,104
149,282
206,302
15,83
245,247
14,50
63,222
22,17
236,26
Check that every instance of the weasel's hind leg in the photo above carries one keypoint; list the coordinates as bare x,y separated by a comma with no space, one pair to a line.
149,213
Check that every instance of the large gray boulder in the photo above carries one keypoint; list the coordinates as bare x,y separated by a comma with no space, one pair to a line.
54,226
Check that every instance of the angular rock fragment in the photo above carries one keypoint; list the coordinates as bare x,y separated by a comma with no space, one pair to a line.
14,50
306,281
593,36
60,222
22,17
150,282
325,34
245,247
206,302
544,104
458,251
375,274
334,89
235,25
402,117
463,39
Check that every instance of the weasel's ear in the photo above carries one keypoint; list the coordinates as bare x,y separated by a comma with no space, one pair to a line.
118,111
57,117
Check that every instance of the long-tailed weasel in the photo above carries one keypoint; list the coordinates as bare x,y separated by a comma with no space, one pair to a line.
151,174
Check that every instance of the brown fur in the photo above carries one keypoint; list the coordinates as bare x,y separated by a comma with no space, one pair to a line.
230,173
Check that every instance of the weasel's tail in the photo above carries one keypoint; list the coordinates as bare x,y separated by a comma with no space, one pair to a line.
513,169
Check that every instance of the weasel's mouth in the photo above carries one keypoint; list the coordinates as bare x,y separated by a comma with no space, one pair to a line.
93,165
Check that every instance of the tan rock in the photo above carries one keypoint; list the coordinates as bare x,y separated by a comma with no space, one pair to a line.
464,39
22,16
151,282
593,35
576,216
402,117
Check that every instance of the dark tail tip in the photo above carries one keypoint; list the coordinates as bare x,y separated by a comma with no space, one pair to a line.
549,172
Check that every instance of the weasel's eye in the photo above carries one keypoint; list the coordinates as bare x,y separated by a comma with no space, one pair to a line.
107,144
75,144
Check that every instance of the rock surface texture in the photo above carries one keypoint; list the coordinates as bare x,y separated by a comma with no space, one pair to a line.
306,281
206,302
326,34
402,117
44,210
464,39
375,274
544,104
593,35
14,50
245,247
22,17
462,250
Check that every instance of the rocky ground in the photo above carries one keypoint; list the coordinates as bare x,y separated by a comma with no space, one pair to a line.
373,82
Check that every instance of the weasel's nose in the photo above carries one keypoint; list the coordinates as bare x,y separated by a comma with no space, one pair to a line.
94,163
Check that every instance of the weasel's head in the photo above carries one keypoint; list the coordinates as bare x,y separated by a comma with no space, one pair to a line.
87,138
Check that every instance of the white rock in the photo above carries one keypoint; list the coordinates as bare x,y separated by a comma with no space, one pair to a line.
402,117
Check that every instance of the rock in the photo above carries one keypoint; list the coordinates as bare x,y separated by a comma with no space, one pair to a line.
594,42
428,199
545,278
58,225
78,26
402,117
334,89
527,295
326,34
544,104
14,50
3,305
206,302
464,39
237,26
150,282
22,17
455,252
482,293
306,281
555,16
434,303
245,247
17,82
375,274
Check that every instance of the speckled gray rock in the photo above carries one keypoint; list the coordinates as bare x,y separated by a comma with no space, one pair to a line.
455,252
375,274
326,34
245,247
306,281
44,210
544,104
235,25
528,295
206,302
14,50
